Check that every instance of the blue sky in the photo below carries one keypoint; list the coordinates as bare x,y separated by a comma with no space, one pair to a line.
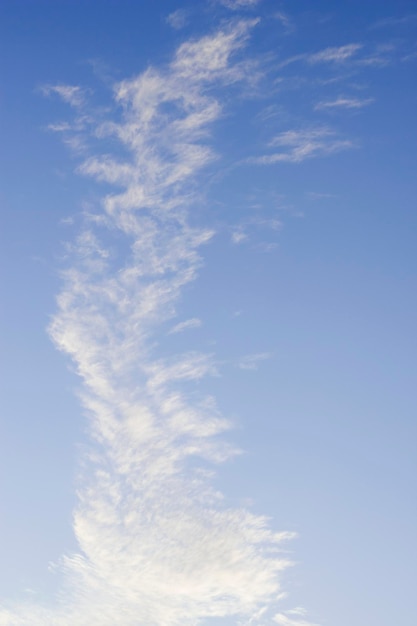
208,322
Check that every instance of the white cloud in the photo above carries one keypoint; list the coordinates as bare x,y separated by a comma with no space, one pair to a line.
394,21
267,247
320,195
177,19
285,20
334,55
252,361
239,236
194,322
236,5
59,127
294,617
298,145
241,232
157,545
207,58
71,94
344,103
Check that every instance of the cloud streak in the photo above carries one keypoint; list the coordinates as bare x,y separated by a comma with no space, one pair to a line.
194,322
71,94
252,361
344,103
334,55
298,145
236,5
157,544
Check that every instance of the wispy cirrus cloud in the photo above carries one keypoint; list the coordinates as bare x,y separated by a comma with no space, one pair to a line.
235,5
252,361
333,55
285,20
314,195
295,617
157,544
71,94
297,145
243,231
344,103
393,21
178,19
239,236
194,322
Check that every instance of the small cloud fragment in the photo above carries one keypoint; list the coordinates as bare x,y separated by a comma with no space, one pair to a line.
344,103
60,127
239,236
252,361
71,94
334,55
394,21
194,322
298,145
235,5
177,19
285,20
293,617
316,195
